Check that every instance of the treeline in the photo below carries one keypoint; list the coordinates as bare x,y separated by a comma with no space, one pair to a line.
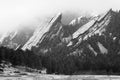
62,63
19,57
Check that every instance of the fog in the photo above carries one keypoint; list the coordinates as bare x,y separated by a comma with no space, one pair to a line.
14,13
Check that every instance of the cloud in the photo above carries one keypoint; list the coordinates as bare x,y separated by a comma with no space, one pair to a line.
16,12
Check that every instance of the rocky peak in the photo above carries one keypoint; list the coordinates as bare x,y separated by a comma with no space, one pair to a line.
42,31
97,25
99,35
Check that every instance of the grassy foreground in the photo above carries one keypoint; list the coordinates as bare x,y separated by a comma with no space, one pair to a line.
61,77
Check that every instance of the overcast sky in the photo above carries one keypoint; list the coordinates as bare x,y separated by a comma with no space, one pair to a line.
15,12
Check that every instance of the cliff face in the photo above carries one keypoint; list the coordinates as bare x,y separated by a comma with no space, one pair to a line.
53,34
99,35
95,26
42,31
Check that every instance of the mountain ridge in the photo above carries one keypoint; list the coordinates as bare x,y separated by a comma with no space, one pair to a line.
53,33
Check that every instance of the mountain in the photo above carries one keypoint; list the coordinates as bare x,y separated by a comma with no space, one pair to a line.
85,44
95,26
94,47
91,33
81,33
50,29
40,32
16,39
99,35
53,34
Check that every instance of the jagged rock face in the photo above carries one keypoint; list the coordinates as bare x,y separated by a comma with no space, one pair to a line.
95,26
80,21
100,35
15,39
42,32
49,36
51,33
54,34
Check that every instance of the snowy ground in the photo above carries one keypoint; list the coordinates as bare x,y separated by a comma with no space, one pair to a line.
61,77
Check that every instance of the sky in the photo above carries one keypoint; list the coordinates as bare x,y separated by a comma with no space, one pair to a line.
14,13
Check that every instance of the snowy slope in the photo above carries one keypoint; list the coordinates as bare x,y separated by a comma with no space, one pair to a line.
40,31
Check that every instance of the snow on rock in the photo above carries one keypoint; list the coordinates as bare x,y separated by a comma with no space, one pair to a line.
101,26
95,26
69,44
84,28
40,31
75,21
16,38
91,48
3,37
102,16
14,34
114,38
9,35
102,48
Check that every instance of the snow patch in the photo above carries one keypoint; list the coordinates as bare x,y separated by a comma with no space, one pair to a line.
75,21
83,28
91,48
102,48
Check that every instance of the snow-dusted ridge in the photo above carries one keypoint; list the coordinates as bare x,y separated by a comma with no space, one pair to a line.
40,31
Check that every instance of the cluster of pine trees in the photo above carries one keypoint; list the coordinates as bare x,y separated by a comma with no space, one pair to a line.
20,58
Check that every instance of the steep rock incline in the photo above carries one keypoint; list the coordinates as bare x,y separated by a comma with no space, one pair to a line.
15,39
41,31
97,25
53,34
65,32
84,28
100,35
78,22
